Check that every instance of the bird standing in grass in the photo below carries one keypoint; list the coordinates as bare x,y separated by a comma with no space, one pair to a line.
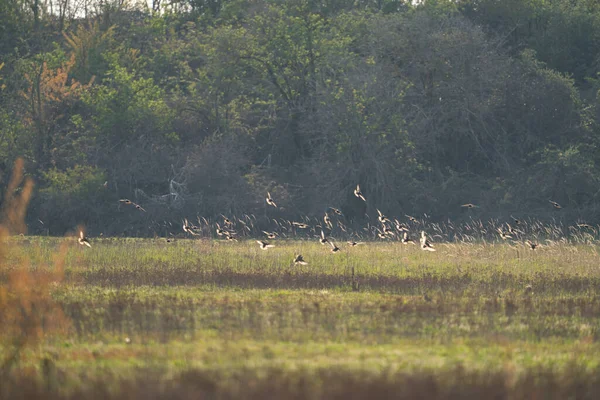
82,240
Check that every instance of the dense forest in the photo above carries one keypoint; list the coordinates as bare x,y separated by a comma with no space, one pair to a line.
200,107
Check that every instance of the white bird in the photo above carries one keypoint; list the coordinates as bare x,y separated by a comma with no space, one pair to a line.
425,244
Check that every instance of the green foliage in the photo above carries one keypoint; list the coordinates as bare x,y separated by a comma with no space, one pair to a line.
78,183
88,43
211,102
125,107
70,197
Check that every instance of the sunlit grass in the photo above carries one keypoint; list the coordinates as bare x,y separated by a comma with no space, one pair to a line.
230,314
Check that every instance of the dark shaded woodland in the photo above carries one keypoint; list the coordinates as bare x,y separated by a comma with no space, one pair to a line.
199,107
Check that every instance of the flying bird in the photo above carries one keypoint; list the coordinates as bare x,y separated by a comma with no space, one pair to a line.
469,205
359,194
335,210
188,228
382,218
555,204
220,231
334,248
327,221
532,245
270,200
270,235
323,239
299,260
352,243
425,244
504,235
264,245
82,240
406,239
411,219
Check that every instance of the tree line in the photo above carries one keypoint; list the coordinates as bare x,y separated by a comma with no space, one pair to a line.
201,107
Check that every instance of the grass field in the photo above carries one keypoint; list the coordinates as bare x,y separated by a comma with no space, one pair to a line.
143,318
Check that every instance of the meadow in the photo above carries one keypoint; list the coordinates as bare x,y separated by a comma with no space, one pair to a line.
206,318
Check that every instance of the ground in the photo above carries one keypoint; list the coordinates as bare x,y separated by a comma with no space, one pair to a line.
147,318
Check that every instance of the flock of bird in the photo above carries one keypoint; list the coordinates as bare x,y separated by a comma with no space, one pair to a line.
386,229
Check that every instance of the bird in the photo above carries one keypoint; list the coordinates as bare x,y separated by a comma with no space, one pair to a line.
352,243
323,239
301,225
359,194
82,240
327,220
298,259
270,200
220,231
583,225
400,227
334,248
504,235
270,235
555,204
469,205
532,245
129,202
512,230
517,221
187,228
230,236
425,244
335,210
387,231
406,239
264,245
411,219
382,218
